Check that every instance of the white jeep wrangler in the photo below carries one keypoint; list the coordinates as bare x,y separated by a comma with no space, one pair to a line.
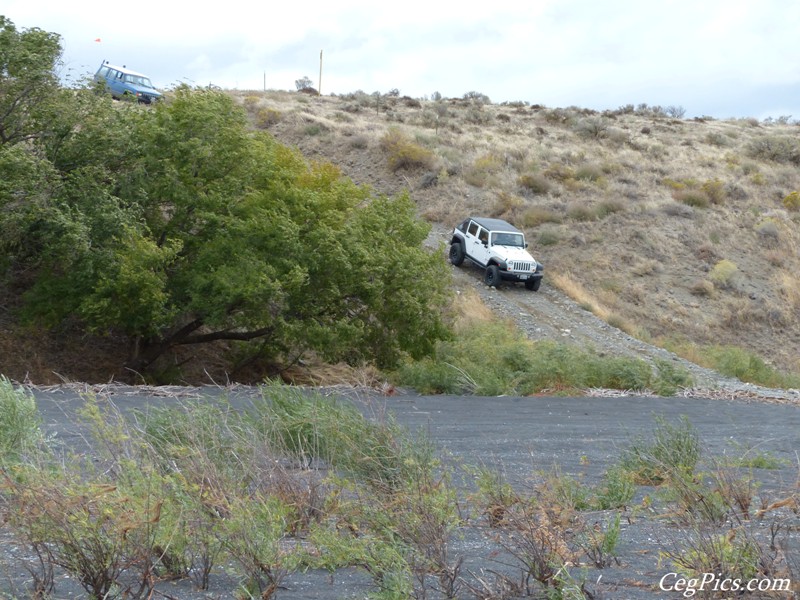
498,247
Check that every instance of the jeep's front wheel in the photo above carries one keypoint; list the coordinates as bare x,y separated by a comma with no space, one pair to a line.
533,284
492,276
456,254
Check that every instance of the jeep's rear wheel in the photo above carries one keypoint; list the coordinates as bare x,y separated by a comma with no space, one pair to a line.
533,284
456,254
492,276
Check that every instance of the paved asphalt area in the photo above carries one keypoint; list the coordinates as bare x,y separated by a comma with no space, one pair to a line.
522,436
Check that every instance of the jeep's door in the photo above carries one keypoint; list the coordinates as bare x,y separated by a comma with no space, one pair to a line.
115,82
476,249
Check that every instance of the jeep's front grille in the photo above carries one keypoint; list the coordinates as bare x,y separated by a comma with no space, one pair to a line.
525,267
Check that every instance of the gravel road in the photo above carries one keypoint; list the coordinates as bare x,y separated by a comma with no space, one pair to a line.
522,437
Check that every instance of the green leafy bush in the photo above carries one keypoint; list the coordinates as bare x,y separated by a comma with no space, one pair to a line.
20,433
616,490
671,451
491,359
747,366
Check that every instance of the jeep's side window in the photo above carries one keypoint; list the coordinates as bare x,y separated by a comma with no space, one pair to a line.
483,236
473,228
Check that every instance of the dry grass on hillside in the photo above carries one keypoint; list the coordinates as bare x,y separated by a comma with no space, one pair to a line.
675,228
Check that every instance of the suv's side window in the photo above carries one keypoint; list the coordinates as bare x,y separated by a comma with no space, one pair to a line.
483,236
473,228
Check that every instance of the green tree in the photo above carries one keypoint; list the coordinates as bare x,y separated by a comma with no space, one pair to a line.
28,61
195,229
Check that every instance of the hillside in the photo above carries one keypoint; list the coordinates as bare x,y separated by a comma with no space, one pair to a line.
676,231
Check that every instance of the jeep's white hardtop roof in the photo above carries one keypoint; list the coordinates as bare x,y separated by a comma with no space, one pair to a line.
125,70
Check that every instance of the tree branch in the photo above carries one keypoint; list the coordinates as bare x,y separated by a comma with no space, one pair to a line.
225,335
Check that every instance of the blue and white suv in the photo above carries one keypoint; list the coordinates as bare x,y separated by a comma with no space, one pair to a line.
124,83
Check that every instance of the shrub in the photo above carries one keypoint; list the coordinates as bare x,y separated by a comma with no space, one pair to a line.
477,116
616,490
578,211
671,451
359,142
768,233
702,287
695,198
535,183
781,149
792,202
537,215
559,116
734,362
731,556
548,237
671,378
20,433
600,545
715,138
251,101
494,496
490,359
314,129
506,203
303,83
723,273
676,112
559,172
714,190
477,97
403,153
747,366
592,127
589,173
479,173
267,117
609,207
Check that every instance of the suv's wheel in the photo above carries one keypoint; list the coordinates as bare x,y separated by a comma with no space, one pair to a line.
456,254
492,276
533,284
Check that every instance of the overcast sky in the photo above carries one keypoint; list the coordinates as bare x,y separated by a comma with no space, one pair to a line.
722,58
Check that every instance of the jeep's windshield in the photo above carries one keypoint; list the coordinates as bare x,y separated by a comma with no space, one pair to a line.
508,239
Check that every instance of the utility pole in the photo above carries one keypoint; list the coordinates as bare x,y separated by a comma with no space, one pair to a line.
319,86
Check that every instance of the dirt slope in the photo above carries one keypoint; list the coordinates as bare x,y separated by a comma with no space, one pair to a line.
676,229
550,315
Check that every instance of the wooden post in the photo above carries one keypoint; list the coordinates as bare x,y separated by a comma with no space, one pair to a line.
319,85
